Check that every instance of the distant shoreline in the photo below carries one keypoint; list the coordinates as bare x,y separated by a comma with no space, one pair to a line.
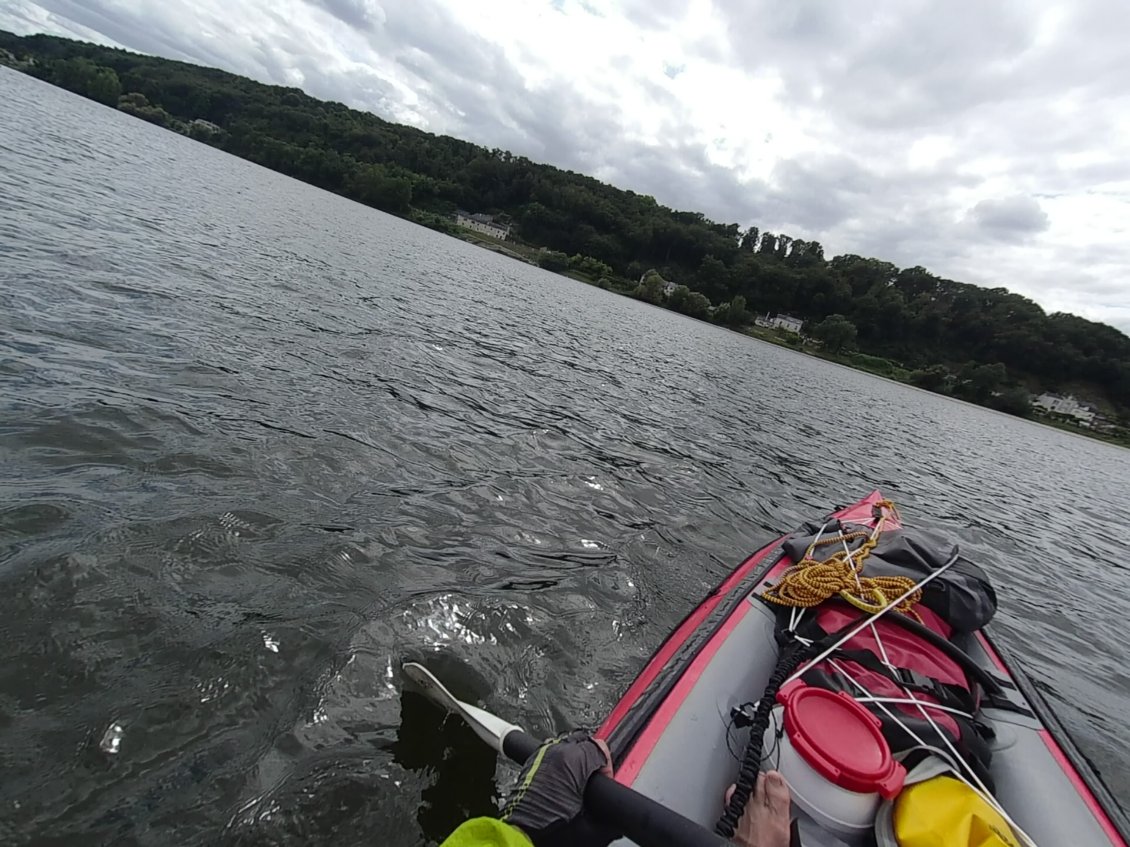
768,337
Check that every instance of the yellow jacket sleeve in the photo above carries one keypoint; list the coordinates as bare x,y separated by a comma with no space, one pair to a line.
486,832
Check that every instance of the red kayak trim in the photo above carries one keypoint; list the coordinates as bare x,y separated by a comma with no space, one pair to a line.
659,722
1080,786
675,640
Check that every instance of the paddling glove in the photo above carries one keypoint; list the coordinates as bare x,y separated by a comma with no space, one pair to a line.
547,801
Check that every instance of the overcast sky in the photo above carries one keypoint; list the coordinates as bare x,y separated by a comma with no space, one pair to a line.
986,140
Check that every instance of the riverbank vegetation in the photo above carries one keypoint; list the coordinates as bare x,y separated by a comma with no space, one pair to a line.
986,345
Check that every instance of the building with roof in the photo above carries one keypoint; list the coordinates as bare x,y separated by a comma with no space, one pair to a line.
785,322
486,224
1067,406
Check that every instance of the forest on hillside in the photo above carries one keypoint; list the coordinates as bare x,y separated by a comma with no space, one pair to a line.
988,345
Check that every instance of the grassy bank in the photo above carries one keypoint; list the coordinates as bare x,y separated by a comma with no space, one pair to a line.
513,249
1118,437
853,359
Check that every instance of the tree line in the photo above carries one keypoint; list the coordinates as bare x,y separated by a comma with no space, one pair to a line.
989,345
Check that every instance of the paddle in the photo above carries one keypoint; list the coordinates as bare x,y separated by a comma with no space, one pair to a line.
640,818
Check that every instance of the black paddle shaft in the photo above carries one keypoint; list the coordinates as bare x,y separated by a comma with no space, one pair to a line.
640,818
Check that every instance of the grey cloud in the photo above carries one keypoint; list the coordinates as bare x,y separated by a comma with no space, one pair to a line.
362,14
424,26
653,14
1009,218
688,181
1097,173
24,17
129,32
822,192
174,36
885,64
553,124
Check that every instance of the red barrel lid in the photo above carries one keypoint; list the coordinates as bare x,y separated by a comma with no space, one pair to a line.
840,739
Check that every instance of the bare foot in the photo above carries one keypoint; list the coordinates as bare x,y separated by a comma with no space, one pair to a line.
765,822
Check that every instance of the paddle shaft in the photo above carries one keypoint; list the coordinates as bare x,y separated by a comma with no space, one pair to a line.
639,818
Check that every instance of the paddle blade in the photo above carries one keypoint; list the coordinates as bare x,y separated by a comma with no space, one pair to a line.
640,818
490,728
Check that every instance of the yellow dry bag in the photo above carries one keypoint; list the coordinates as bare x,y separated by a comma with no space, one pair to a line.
945,812
936,809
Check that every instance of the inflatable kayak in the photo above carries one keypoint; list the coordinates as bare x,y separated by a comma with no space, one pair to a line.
852,656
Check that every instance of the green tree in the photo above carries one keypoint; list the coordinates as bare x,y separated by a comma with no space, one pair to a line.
589,266
836,333
1016,401
979,382
697,305
934,378
138,105
552,260
693,303
712,277
373,185
134,100
738,314
105,87
678,298
84,77
651,288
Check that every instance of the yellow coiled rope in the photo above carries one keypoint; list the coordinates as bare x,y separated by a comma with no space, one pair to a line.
810,582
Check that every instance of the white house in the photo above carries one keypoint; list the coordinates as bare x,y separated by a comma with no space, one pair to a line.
1066,406
482,223
786,322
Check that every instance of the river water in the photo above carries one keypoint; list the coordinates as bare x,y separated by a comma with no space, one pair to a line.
259,445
